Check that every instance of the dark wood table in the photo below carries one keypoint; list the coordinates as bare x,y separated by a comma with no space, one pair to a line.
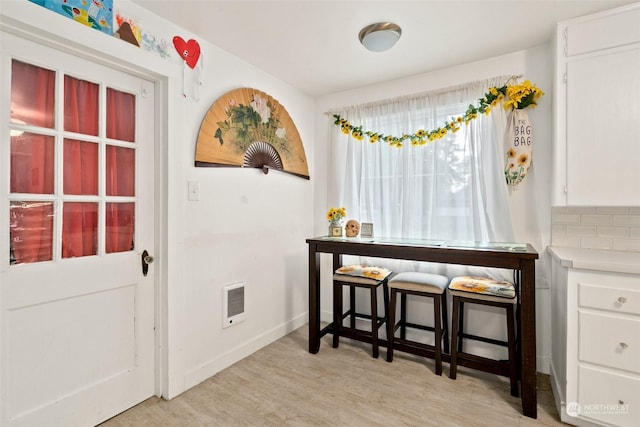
518,257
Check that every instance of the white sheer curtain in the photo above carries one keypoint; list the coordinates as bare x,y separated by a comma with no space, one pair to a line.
450,189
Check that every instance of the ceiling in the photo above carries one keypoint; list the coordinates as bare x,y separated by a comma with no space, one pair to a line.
313,45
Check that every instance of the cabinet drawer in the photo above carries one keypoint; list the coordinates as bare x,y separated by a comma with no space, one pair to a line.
608,298
609,397
609,341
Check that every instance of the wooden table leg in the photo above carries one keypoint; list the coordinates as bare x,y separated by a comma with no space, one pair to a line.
314,299
528,338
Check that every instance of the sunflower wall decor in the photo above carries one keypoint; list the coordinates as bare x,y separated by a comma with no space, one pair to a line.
248,128
518,137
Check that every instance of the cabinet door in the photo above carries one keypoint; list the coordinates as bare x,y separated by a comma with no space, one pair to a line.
605,30
603,129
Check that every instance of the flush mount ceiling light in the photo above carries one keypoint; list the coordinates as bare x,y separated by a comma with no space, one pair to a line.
380,36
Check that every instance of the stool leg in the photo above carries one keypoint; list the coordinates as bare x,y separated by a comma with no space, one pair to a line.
352,306
513,360
518,343
385,299
337,312
460,324
374,322
438,333
454,338
445,320
391,321
403,316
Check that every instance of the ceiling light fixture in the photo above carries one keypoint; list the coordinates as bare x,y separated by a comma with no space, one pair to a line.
380,36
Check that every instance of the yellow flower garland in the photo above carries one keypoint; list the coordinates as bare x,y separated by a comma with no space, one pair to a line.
517,96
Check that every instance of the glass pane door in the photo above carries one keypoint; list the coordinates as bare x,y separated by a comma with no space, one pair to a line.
72,179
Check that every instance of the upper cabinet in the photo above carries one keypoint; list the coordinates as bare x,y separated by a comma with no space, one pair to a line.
597,110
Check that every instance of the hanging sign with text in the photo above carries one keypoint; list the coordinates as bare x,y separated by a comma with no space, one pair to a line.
518,147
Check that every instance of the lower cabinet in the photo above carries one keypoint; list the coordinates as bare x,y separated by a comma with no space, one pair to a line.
595,364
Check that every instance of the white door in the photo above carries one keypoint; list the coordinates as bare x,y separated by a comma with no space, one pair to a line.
76,213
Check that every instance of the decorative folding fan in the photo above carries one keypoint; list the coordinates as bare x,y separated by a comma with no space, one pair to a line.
248,128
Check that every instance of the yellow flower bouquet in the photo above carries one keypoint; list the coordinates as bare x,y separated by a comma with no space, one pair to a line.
522,95
336,214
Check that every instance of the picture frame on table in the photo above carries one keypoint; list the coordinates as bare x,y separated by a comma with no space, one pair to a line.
366,229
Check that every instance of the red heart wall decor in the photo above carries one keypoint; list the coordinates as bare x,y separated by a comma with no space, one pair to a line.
189,51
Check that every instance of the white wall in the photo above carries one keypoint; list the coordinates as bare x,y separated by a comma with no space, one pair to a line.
247,226
530,210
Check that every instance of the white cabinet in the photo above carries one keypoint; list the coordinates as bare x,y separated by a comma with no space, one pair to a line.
597,110
595,364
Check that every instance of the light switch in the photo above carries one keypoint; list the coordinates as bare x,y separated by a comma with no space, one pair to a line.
194,190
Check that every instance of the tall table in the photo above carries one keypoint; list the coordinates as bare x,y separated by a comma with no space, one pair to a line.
518,257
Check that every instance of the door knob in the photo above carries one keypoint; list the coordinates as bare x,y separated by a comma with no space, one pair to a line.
146,260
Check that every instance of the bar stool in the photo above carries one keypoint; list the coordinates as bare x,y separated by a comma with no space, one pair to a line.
359,276
425,285
484,291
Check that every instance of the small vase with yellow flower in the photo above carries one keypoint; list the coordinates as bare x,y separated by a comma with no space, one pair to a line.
335,216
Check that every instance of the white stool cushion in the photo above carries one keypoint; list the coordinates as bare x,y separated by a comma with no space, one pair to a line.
482,288
364,274
419,282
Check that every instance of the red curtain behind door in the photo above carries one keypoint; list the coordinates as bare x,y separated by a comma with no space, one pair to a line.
120,173
32,166
80,168
32,162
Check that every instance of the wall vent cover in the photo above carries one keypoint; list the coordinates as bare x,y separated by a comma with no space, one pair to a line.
233,304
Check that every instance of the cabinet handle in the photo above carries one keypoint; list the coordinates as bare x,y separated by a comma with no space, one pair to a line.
624,345
622,300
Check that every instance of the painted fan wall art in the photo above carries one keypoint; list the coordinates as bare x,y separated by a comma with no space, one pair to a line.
248,128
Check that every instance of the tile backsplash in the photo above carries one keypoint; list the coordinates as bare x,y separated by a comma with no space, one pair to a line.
612,228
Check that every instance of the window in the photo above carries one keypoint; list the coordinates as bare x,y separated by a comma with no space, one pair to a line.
449,189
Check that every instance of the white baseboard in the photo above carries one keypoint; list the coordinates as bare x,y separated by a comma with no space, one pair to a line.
558,393
542,364
211,367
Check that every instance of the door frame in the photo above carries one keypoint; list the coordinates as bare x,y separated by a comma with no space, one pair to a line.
59,33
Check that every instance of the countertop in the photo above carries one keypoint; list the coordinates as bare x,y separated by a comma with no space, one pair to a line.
596,259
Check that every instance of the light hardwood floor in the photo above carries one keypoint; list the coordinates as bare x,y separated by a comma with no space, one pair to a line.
284,385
